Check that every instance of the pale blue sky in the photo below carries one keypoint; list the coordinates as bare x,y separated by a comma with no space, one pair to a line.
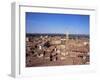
57,23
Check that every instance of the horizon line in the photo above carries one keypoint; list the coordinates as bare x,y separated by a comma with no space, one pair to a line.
58,33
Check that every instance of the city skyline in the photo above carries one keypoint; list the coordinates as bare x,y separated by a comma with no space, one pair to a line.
57,23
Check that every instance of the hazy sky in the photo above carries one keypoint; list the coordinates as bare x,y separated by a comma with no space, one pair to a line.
57,23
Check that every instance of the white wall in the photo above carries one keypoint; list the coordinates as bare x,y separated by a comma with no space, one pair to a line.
5,41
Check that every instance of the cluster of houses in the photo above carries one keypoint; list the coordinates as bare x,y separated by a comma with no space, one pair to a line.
45,49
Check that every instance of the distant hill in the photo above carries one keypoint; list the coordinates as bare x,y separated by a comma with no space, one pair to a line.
57,34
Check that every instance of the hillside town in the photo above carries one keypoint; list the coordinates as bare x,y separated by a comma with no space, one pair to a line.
57,50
